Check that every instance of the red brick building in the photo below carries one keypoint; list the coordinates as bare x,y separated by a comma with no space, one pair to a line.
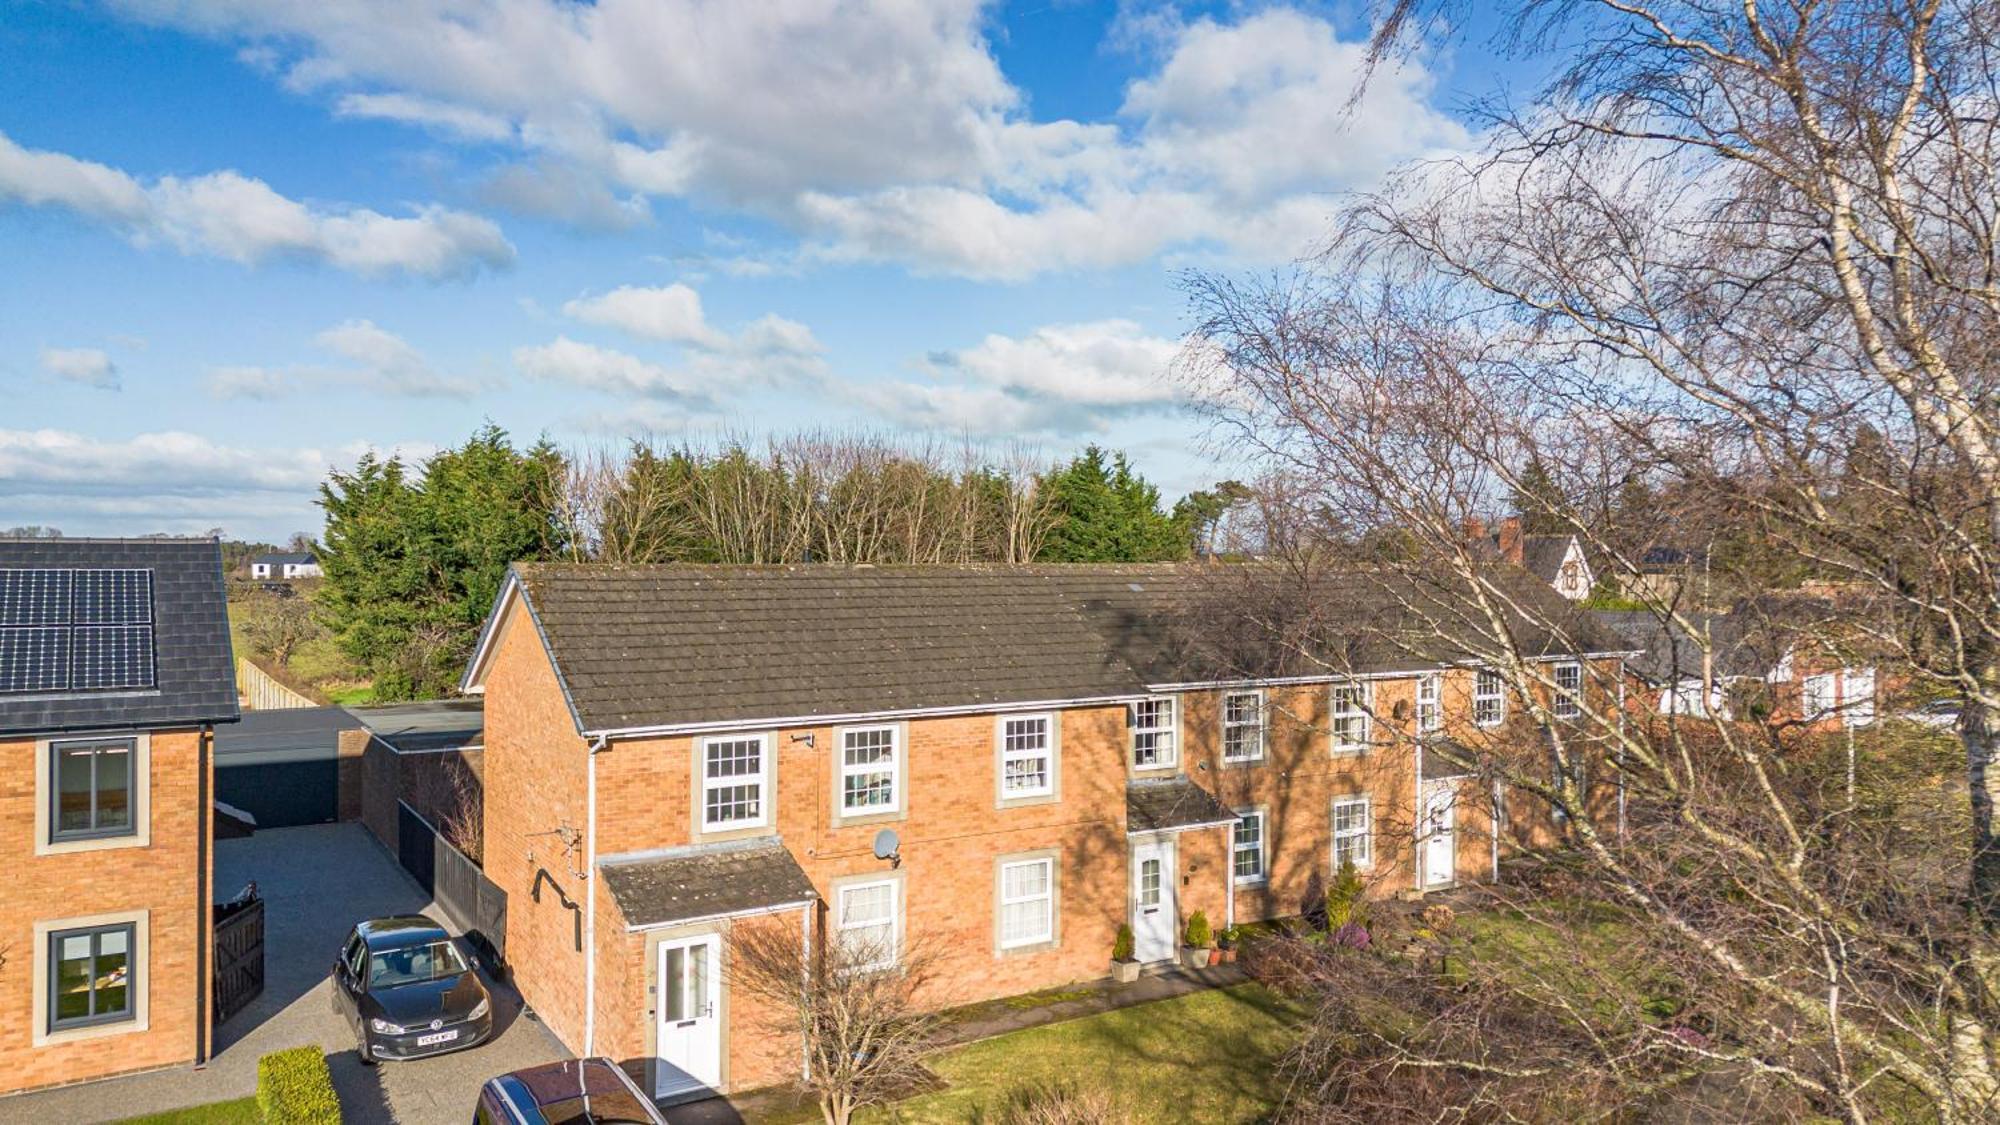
674,751
114,667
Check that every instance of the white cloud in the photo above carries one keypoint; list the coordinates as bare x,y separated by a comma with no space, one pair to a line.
671,313
91,367
603,369
880,131
381,361
232,216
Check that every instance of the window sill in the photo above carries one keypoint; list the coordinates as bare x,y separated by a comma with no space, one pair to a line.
92,844
1350,751
1025,800
1238,763
1028,949
1253,880
857,820
94,1031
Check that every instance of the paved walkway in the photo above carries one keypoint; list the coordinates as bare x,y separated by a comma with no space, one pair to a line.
317,882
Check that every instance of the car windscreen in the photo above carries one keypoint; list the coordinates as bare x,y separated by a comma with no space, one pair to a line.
599,1109
414,964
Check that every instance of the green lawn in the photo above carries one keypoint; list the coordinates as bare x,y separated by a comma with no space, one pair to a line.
1208,1056
242,1111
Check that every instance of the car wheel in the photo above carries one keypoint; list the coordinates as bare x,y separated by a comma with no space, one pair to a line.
362,1052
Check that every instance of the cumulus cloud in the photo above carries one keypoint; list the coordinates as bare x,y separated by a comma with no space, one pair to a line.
603,369
768,351
875,131
378,360
671,313
91,367
229,215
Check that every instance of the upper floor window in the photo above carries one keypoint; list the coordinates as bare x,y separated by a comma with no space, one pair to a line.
868,771
1242,726
1569,691
1027,902
91,792
1350,717
1489,699
1153,731
1857,696
866,923
1430,705
1816,696
91,976
1247,847
1027,764
735,782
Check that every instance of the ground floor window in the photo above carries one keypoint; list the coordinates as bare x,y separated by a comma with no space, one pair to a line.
91,977
1350,832
1248,847
1027,902
867,924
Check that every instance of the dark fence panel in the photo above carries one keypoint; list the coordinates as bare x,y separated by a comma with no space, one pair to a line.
239,953
282,794
472,901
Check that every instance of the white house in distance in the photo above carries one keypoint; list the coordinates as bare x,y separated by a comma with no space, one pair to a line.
1555,559
285,566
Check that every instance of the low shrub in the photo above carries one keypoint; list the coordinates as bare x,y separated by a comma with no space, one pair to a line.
1059,1103
1199,935
1347,898
294,1087
1121,945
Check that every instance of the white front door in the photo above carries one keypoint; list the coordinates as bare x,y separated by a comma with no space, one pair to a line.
689,1036
1440,842
1153,915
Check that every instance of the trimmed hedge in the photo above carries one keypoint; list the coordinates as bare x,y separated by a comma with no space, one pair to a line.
294,1087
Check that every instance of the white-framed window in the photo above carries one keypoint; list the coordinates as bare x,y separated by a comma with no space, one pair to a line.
866,923
1351,832
1430,704
1027,763
1154,731
1246,847
1350,718
1569,690
1816,696
1489,698
1857,696
868,763
1027,903
1242,726
735,782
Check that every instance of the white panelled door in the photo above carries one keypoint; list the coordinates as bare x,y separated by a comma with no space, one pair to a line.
1153,915
689,1040
1440,839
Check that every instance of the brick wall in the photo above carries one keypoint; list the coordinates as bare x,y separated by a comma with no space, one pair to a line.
162,878
434,783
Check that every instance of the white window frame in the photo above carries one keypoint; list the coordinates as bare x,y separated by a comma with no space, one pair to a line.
1047,754
1256,727
1823,686
1171,731
1568,701
1048,896
845,769
1856,709
1481,697
895,920
1361,712
1236,848
1430,711
1364,834
766,796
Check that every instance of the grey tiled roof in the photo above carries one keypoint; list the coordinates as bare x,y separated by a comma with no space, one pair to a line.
1168,804
649,646
1447,763
195,670
707,881
1542,555
295,558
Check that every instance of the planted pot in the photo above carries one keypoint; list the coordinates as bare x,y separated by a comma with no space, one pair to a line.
1228,954
1125,972
1194,957
1215,957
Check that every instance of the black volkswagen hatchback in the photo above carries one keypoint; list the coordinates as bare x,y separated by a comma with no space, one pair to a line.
408,991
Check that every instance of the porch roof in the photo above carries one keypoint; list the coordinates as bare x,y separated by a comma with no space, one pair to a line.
691,884
1173,804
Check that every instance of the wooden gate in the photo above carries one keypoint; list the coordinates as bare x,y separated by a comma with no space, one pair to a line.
239,953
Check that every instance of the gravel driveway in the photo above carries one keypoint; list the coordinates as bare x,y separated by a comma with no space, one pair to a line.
317,882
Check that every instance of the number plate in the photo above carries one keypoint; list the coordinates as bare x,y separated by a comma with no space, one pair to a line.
440,1037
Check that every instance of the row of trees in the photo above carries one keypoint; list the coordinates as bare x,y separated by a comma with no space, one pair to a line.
414,555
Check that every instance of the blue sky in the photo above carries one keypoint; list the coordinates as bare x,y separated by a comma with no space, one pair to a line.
246,240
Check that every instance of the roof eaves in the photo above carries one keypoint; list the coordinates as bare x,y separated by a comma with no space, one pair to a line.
489,634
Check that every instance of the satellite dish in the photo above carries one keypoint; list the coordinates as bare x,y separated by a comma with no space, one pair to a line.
887,845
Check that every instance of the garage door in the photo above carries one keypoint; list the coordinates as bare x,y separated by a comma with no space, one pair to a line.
282,794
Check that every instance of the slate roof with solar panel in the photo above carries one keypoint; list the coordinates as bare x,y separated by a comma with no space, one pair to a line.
98,633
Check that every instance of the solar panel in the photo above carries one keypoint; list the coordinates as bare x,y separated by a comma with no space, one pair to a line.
76,630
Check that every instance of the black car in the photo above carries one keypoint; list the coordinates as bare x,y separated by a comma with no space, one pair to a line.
408,991
571,1092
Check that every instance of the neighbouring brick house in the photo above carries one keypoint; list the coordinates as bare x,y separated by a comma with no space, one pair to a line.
115,665
672,751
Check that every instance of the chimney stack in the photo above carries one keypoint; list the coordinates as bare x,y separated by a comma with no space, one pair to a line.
1509,537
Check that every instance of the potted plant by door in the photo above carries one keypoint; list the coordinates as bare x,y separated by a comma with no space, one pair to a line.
1124,966
1227,941
1195,952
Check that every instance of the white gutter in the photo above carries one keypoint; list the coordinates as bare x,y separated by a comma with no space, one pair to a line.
590,901
662,729
1344,677
753,912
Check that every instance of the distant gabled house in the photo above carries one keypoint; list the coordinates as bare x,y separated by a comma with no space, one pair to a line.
285,567
115,667
1558,560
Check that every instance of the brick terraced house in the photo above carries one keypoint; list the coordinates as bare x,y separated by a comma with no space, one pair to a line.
673,751
115,666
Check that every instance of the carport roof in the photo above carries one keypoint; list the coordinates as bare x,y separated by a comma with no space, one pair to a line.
439,724
288,735
707,881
